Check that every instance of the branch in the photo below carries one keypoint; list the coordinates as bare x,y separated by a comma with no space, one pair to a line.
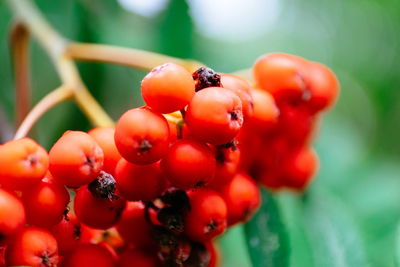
55,46
49,101
19,38
125,56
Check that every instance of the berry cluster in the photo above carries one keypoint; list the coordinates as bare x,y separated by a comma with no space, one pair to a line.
171,176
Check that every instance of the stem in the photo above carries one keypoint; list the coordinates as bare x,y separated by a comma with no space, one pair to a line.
55,46
52,99
125,56
20,54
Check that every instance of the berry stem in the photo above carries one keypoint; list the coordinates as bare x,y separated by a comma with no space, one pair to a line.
19,40
55,45
125,56
52,99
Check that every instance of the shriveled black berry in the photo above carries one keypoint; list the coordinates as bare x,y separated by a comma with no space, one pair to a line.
199,256
177,198
171,218
164,238
206,77
104,186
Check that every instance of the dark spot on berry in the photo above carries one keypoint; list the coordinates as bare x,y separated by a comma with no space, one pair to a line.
231,144
90,162
33,160
104,186
199,184
220,156
77,232
144,146
206,77
235,115
211,227
46,260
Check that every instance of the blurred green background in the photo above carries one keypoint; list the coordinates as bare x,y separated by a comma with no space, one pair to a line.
349,216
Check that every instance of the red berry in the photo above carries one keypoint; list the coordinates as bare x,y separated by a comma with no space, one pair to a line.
168,88
88,255
189,164
215,115
133,226
299,168
12,214
323,86
45,203
265,112
227,164
282,75
142,136
242,89
67,233
138,258
33,247
104,136
242,198
76,159
23,163
97,212
139,182
207,217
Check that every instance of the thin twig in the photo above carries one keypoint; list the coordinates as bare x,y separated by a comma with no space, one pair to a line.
125,56
52,99
19,38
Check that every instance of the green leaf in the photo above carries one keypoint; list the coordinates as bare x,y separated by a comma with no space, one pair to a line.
333,233
397,247
266,235
233,248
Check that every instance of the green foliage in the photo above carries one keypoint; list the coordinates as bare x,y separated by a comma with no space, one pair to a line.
350,215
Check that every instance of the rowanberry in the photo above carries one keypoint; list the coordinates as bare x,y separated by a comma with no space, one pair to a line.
87,255
96,212
265,112
67,233
139,182
283,76
23,163
207,217
242,198
242,89
189,164
33,247
75,159
142,136
168,88
45,203
138,258
215,115
227,158
133,226
104,136
299,168
12,215
323,86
